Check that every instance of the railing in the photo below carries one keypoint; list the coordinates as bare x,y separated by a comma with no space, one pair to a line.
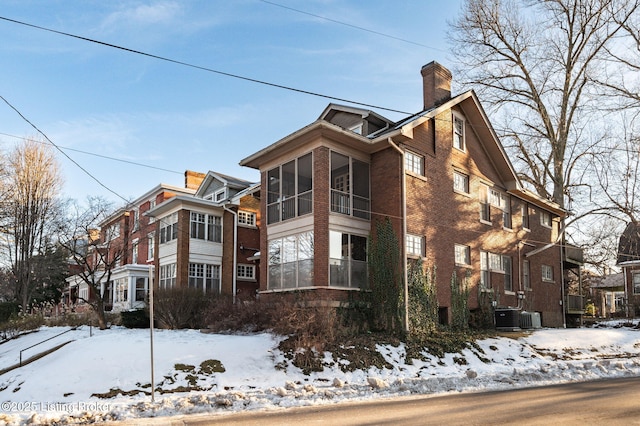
574,303
45,340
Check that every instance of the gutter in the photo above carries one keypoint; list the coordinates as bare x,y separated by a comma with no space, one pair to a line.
404,234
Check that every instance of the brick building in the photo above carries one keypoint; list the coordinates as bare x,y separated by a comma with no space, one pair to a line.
443,179
629,262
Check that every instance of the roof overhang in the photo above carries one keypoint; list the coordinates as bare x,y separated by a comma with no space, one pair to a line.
180,200
319,129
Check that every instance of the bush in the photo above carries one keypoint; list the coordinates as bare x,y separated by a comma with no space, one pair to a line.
18,324
177,308
7,309
138,318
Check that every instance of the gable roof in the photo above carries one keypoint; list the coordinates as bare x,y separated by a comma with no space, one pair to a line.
226,180
629,245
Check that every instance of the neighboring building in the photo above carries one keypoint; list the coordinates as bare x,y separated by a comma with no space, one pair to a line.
130,235
608,295
443,179
629,261
209,240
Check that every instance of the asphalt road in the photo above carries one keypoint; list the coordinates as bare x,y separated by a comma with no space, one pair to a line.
604,402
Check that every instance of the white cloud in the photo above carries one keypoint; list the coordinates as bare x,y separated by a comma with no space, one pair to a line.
144,14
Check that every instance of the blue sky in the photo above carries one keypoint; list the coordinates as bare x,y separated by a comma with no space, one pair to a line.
89,97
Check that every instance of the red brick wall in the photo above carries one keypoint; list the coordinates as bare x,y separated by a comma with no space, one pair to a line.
321,201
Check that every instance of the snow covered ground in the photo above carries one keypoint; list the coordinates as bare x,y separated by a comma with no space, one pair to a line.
248,372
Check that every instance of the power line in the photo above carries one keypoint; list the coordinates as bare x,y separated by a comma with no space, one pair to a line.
103,156
63,153
346,24
199,67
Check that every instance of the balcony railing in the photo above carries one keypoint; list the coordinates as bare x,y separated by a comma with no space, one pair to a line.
574,304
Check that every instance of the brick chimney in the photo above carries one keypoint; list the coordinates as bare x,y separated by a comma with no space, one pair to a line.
192,180
436,84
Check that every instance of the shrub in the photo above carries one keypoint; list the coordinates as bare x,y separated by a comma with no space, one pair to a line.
18,324
138,318
177,308
7,309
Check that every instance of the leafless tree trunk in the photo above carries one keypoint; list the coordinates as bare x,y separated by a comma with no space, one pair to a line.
30,205
535,64
94,254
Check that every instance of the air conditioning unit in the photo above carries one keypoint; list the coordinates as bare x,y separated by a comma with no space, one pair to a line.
529,320
507,319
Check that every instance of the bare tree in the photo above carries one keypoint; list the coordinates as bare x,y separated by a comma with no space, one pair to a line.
535,64
32,182
94,253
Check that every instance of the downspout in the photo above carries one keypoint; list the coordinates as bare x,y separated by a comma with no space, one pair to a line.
626,308
564,308
404,235
235,251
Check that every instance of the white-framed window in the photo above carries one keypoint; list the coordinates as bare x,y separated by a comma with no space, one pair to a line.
485,275
506,211
547,273
246,272
495,262
246,218
151,244
545,219
134,252
290,189
167,276
348,260
357,129
414,163
525,216
83,294
113,232
458,132
206,227
462,254
205,277
152,205
635,279
526,274
169,228
121,290
415,245
220,195
291,261
460,182
141,289
508,276
136,219
485,206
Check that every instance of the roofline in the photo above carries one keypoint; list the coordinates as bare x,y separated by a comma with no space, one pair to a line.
186,199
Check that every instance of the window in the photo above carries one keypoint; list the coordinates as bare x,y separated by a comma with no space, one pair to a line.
151,244
545,219
635,278
357,129
152,205
347,260
506,267
169,228
525,216
246,218
220,195
495,262
134,252
290,189
460,182
204,277
485,207
547,273
349,186
462,255
121,290
506,212
167,276
291,261
458,133
246,272
206,227
141,289
485,275
136,220
415,245
112,232
526,275
414,163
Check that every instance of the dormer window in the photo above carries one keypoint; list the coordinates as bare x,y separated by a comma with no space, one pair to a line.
220,195
357,129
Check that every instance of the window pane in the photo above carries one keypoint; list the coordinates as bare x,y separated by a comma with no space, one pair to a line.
305,246
340,172
275,252
305,173
289,179
360,179
273,182
359,248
